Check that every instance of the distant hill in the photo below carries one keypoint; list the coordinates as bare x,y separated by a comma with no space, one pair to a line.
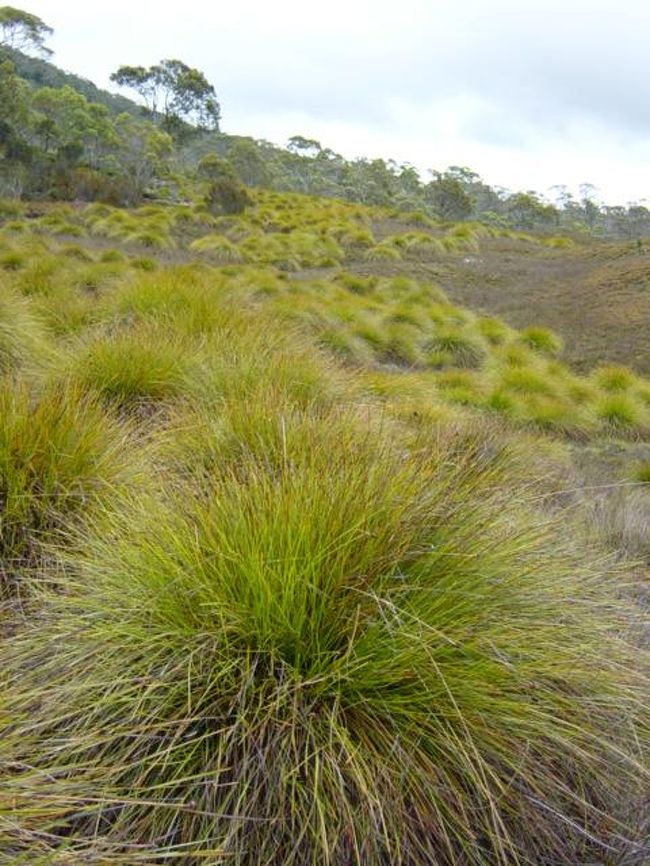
40,73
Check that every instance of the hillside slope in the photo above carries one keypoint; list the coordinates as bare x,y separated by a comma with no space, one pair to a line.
42,73
595,294
301,566
597,297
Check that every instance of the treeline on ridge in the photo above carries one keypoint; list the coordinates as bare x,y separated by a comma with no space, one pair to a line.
61,137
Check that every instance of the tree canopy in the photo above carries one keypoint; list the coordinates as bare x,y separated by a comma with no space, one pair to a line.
22,31
173,90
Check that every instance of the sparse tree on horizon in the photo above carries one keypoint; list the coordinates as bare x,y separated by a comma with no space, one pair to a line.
175,91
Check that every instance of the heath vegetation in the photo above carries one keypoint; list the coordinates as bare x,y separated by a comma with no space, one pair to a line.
303,561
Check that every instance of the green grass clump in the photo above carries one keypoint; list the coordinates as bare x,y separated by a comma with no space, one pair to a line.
141,365
504,403
355,283
12,260
67,313
62,227
514,355
219,246
112,256
144,263
526,380
641,472
383,252
185,298
17,227
60,457
559,243
421,242
551,413
76,251
23,343
347,346
10,207
323,651
619,412
291,250
42,276
614,377
466,348
357,237
400,346
495,331
152,237
542,340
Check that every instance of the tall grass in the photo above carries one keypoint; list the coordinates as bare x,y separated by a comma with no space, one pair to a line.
135,367
185,299
542,340
320,649
23,342
60,458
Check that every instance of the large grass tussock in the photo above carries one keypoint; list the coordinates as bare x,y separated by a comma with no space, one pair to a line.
323,650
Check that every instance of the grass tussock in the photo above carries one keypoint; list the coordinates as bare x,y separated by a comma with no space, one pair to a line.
60,458
23,339
136,366
542,340
320,651
641,472
184,299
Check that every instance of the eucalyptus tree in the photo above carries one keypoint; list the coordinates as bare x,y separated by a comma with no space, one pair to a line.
14,110
22,31
140,157
173,91
15,152
67,124
447,194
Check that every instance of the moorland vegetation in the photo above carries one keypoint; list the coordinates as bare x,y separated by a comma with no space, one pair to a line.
301,561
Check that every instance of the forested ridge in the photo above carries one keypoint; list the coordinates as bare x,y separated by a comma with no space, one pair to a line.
63,137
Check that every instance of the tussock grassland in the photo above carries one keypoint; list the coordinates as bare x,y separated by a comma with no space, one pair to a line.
297,565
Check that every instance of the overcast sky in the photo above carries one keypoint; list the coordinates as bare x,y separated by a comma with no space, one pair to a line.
529,93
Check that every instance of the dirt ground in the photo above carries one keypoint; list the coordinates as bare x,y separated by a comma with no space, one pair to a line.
596,295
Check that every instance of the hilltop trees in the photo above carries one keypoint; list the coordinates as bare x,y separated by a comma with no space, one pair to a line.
176,92
55,143
249,163
22,31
